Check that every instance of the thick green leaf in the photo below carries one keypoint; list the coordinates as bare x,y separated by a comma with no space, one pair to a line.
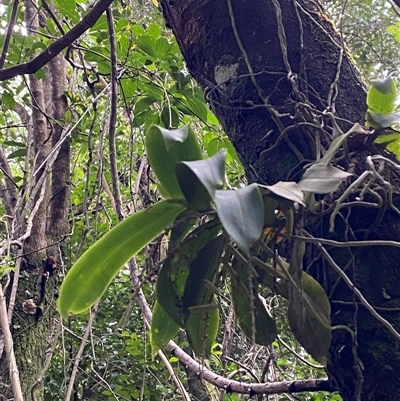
165,148
90,276
242,214
270,211
201,316
250,311
200,179
309,319
163,328
172,277
202,329
338,142
309,309
383,120
322,179
391,141
287,190
170,286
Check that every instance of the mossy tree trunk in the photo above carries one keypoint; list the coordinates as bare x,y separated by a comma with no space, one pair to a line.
277,77
39,221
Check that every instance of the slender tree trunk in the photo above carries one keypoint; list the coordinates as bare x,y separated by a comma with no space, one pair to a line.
39,217
277,77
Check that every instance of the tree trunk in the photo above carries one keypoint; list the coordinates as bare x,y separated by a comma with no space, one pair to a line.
40,221
276,75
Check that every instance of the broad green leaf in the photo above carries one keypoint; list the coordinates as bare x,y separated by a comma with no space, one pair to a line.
270,210
90,276
200,179
18,153
198,107
165,148
309,309
310,319
202,329
394,30
381,97
201,317
322,179
163,47
287,190
391,141
170,286
172,277
144,103
40,74
250,311
163,328
8,101
383,120
169,117
148,45
100,25
242,214
68,8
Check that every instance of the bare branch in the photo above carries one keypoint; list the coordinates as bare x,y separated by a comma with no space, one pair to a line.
8,345
113,116
78,356
9,32
60,44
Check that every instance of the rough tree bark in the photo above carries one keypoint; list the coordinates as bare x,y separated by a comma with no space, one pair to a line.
38,218
274,72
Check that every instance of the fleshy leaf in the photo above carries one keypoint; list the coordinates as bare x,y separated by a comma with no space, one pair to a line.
201,178
384,120
202,329
309,309
270,210
248,305
90,276
322,179
201,315
174,272
165,148
287,190
391,141
163,328
242,214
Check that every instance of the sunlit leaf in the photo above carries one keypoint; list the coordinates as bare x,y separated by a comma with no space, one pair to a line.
381,96
163,328
68,8
391,141
90,276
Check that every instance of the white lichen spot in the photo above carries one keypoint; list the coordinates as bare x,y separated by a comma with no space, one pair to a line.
223,73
